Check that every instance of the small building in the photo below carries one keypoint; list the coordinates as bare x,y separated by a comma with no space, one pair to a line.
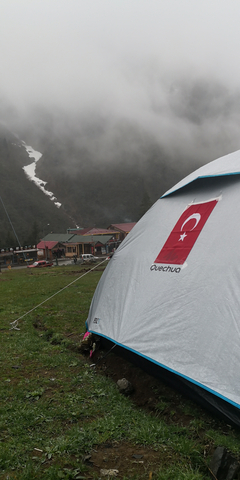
117,231
49,250
95,244
98,241
90,231
77,245
121,229
6,257
24,255
18,255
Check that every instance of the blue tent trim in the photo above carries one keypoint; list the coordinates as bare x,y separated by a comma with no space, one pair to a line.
188,379
173,190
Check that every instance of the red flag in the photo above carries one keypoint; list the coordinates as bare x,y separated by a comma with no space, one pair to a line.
185,233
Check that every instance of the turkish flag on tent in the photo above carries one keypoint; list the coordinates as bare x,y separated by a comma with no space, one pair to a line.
185,233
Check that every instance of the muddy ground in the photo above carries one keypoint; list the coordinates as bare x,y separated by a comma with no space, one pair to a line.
158,399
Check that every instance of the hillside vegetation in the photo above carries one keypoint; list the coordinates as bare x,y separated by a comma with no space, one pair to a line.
23,205
92,190
104,167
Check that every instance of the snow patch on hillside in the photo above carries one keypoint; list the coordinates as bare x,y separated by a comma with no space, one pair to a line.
30,171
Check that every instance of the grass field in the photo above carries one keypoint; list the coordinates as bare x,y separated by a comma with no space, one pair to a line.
60,418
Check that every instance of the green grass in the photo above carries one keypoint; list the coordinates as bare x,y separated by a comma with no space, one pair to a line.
55,408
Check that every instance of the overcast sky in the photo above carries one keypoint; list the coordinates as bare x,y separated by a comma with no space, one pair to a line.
120,57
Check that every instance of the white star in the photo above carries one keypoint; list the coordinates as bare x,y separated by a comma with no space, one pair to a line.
182,237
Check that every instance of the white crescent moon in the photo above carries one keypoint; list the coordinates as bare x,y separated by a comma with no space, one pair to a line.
196,217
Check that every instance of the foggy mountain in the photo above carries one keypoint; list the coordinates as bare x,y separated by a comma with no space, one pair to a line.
22,204
108,168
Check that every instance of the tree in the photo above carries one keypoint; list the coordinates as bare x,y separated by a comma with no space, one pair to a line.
33,237
145,204
10,240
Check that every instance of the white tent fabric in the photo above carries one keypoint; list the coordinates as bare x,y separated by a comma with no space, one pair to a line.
182,316
227,165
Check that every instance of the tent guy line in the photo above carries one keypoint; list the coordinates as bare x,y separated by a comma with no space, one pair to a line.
15,322
9,219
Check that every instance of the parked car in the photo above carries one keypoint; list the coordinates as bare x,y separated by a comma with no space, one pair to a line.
40,264
88,257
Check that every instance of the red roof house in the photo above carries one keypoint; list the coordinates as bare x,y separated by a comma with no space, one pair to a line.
122,229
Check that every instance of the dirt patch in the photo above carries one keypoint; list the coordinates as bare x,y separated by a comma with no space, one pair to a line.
150,393
127,460
84,270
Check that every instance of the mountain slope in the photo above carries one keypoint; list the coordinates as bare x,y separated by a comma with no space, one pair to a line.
102,183
24,203
107,167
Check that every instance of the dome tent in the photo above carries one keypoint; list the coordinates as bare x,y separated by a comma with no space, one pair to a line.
170,296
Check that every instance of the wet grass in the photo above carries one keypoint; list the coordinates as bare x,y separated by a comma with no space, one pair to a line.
55,408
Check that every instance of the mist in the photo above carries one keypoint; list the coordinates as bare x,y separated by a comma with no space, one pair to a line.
114,76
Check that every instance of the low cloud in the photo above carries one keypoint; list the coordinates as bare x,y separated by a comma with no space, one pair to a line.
120,75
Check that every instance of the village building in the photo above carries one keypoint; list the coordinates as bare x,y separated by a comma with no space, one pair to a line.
121,230
77,241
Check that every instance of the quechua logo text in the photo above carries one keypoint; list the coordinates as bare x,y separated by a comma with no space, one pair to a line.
185,233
